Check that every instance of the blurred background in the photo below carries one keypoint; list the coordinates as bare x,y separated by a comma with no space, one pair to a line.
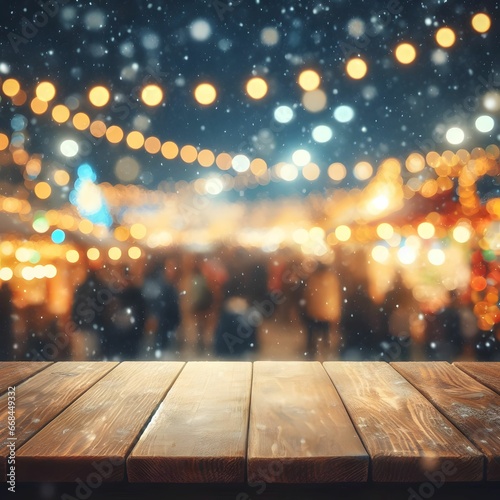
249,180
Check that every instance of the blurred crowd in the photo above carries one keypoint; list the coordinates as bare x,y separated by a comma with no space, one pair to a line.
223,305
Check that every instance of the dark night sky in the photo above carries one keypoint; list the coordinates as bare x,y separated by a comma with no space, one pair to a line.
397,108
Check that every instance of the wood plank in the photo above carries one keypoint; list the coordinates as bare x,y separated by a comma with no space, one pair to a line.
299,429
95,433
486,373
14,372
469,405
199,433
406,437
42,397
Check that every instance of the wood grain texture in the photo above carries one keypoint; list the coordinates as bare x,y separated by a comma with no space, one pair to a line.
199,433
14,372
486,373
406,437
469,405
42,397
94,434
299,429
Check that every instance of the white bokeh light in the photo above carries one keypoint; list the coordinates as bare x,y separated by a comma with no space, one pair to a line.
241,163
69,148
200,30
485,123
322,133
301,157
289,172
343,114
283,114
455,135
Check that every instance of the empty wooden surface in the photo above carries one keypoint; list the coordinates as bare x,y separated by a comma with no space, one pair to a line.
199,433
14,372
299,429
471,406
42,397
98,430
486,373
404,434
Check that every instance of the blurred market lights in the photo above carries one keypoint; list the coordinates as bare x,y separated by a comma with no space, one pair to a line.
322,133
309,80
356,68
283,114
484,123
445,37
481,22
405,53
205,94
69,148
99,96
152,95
45,91
256,88
455,135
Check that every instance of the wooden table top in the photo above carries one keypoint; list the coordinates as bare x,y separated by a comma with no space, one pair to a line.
263,422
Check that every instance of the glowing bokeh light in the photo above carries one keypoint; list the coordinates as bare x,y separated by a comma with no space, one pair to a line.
356,68
343,114
256,88
405,53
99,96
485,123
283,114
45,91
205,94
309,80
455,135
445,37
322,133
481,22
152,95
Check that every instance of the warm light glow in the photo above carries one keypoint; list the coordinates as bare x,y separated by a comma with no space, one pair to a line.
152,145
405,53
81,121
206,158
256,88
69,148
60,113
426,230
169,150
356,68
93,253
407,255
138,231
436,257
363,171
43,190
11,87
462,234
98,128
135,140
258,166
481,22
337,171
61,177
314,101
311,172
415,163
385,231
445,37
6,273
205,94
72,256
343,233
134,253
99,96
45,91
114,134
38,107
114,253
380,254
309,80
224,161
152,95
4,142
189,153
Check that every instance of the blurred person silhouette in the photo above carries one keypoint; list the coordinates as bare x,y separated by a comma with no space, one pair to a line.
162,306
398,308
124,317
236,331
444,339
201,299
320,307
6,324
360,317
89,303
